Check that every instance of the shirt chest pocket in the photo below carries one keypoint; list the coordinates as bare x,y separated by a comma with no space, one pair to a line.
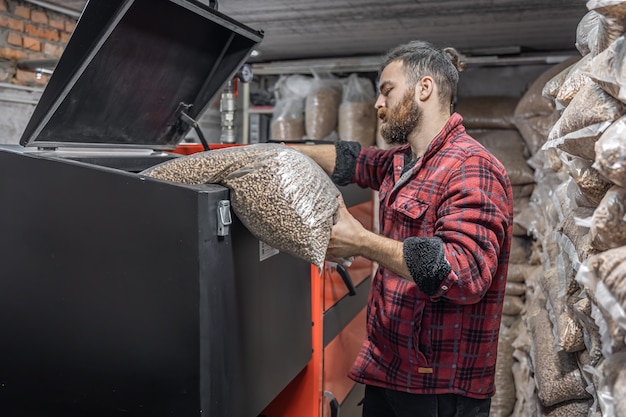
412,216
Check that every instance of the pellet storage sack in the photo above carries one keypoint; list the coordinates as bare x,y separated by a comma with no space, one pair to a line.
288,113
281,195
321,107
357,114
611,153
588,115
487,112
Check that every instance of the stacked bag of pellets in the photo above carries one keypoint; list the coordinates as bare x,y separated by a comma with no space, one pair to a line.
321,108
357,114
577,215
288,120
281,195
535,114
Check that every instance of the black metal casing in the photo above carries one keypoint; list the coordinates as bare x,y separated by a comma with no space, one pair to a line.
117,296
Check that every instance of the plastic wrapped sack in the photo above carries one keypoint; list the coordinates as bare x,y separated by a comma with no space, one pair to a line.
553,85
281,195
612,22
288,114
576,80
610,8
608,69
503,402
487,112
591,187
587,32
610,152
322,107
588,115
604,276
608,223
357,114
557,375
535,114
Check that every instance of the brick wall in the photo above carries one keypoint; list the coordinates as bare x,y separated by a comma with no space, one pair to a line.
29,32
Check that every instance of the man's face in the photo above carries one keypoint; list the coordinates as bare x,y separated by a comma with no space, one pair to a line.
400,120
397,108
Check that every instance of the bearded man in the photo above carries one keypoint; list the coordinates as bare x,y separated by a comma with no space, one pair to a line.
446,217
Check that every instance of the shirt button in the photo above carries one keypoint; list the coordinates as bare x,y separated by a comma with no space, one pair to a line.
444,287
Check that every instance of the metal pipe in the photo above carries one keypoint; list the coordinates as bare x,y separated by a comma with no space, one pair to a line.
55,8
228,106
372,63
10,99
21,87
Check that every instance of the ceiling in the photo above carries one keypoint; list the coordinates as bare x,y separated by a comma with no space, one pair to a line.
306,29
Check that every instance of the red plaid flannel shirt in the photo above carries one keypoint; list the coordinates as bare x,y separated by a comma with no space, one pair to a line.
445,343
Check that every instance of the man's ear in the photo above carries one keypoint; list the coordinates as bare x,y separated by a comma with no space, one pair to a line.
424,88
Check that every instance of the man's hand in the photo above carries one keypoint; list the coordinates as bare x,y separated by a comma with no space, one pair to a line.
349,238
347,235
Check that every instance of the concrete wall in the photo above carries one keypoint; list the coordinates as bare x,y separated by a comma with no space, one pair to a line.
27,32
17,103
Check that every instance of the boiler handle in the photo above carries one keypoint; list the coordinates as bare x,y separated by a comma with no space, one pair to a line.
345,276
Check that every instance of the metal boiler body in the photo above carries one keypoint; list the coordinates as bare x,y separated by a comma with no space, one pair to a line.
118,296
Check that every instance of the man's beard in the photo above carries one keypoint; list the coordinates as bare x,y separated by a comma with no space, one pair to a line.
400,121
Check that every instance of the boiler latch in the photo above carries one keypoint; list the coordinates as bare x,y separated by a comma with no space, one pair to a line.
224,218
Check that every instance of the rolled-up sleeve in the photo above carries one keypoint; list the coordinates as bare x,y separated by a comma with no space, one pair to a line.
345,163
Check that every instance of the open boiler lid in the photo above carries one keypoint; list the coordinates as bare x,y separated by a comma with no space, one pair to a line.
131,69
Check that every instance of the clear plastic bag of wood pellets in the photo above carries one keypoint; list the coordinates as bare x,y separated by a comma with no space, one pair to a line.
557,375
613,22
535,114
576,79
288,113
587,32
281,195
608,223
611,153
357,114
503,402
613,385
608,69
554,84
590,185
589,114
575,408
321,107
610,8
209,167
604,277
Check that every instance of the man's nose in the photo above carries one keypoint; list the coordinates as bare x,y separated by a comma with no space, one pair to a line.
380,102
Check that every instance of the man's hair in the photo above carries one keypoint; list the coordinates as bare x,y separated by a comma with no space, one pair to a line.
421,58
